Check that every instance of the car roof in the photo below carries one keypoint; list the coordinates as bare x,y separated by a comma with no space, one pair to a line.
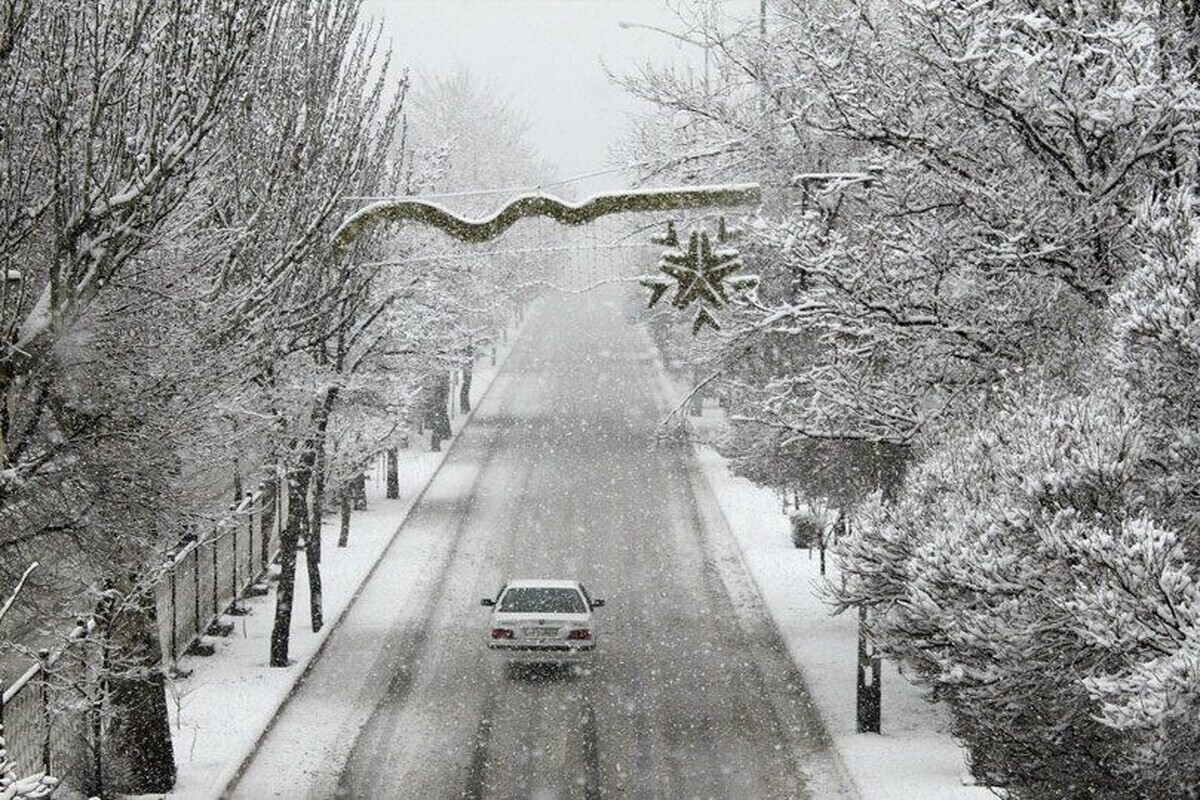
545,583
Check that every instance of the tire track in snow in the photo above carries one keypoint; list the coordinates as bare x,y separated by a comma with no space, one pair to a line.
477,770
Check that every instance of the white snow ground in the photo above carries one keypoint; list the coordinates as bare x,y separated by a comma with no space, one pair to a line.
219,712
913,759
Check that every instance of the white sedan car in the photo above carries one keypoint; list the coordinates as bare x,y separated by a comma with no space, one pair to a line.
542,621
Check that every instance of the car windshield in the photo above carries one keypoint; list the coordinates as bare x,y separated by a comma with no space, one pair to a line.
541,600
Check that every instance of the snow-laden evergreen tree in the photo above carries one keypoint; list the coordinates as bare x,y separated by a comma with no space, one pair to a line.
1155,696
1011,546
1039,572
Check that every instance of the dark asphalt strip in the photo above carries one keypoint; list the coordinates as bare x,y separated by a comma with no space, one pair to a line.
475,784
385,716
477,771
591,750
735,628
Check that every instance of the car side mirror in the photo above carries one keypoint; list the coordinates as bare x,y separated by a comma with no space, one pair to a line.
487,601
597,603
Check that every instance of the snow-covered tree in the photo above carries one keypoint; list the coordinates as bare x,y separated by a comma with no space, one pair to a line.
1156,356
317,125
976,214
1006,182
172,173
1022,575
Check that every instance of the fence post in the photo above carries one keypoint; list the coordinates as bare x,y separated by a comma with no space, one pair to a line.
216,593
264,523
279,523
236,587
255,522
196,582
44,661
174,611
250,545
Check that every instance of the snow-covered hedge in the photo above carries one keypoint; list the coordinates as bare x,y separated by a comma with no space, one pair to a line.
1025,577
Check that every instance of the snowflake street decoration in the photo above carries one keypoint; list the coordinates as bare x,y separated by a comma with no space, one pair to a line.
700,273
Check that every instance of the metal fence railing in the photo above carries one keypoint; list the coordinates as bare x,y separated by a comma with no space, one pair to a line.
52,714
204,578
49,709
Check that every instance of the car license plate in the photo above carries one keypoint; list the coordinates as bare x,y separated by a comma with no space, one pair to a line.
541,633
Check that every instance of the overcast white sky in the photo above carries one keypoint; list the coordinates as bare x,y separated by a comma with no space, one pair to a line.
545,57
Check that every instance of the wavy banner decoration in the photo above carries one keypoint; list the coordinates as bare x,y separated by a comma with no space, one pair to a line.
532,205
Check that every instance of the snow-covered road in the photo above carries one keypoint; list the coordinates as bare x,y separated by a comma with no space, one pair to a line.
557,475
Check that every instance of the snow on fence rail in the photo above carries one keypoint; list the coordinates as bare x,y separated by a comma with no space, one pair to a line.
204,578
52,715
47,712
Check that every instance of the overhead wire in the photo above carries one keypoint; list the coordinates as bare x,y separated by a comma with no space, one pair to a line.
502,190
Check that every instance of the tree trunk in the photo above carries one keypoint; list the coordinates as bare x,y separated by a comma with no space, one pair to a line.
312,559
318,494
270,489
464,391
868,692
344,503
393,474
288,539
312,541
139,735
439,413
312,549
